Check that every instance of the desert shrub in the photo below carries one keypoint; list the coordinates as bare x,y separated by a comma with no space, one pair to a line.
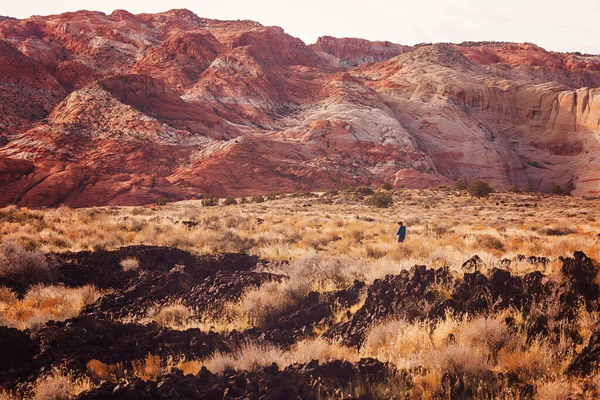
532,362
313,272
322,350
399,342
148,368
490,241
263,305
274,195
173,315
554,390
258,199
375,252
231,242
105,372
210,201
56,387
129,264
248,357
380,200
460,359
487,333
479,189
14,215
45,303
364,190
7,295
558,231
59,386
387,186
24,267
555,188
461,184
243,200
321,273
229,201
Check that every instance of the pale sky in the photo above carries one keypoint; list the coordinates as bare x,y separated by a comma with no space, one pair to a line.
553,24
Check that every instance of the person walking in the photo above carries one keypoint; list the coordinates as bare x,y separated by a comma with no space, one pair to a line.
401,234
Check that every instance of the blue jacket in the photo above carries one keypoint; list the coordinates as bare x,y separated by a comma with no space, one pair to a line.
401,232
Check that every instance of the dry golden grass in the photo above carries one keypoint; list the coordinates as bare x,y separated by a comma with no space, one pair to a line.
323,248
44,303
100,371
444,227
176,316
462,346
149,368
59,385
130,264
554,390
249,356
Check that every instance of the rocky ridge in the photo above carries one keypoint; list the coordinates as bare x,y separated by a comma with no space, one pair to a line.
133,109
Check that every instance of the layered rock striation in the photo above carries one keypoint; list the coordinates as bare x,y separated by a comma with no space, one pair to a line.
132,109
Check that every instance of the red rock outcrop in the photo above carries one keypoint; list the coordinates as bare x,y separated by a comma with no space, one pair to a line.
344,53
28,91
133,109
486,53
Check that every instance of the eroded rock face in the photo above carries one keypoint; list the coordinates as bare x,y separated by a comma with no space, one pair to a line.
350,52
134,109
29,92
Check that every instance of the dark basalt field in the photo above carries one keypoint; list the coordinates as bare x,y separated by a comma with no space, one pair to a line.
207,284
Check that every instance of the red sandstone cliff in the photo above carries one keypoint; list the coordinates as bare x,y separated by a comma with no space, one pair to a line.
130,109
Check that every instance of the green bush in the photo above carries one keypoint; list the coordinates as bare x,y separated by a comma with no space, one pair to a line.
258,199
229,201
210,201
479,189
243,200
380,200
387,186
